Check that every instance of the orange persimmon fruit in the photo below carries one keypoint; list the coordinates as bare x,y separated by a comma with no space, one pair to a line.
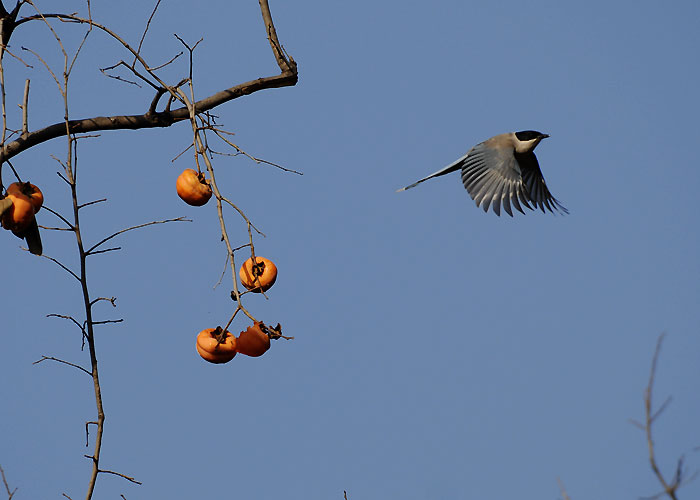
259,277
253,341
20,215
36,197
193,188
17,213
210,349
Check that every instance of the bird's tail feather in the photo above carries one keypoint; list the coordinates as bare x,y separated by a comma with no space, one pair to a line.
452,167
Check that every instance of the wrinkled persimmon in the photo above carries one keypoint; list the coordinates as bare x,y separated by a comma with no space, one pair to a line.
210,349
193,188
259,277
253,341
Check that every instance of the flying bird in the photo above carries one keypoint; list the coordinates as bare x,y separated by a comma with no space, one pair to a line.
502,171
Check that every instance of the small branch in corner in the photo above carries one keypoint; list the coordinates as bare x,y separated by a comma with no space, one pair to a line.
562,490
650,416
10,494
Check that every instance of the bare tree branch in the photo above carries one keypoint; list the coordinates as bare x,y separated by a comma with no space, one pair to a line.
69,318
220,133
62,266
128,478
186,109
148,25
91,250
25,108
51,358
111,300
107,321
132,122
150,119
562,490
10,494
650,416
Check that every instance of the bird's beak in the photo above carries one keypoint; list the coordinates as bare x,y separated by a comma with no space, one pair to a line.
544,136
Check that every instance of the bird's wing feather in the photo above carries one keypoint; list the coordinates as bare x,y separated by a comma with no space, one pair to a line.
492,177
534,185
496,177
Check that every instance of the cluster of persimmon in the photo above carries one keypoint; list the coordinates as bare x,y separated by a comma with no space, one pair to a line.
217,346
18,210
257,275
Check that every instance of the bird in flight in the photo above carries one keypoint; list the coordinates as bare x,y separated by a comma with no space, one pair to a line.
502,171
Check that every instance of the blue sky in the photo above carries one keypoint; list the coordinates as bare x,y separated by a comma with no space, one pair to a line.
439,352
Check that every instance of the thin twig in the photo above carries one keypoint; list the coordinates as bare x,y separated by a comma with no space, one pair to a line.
62,266
128,478
105,250
51,358
111,300
219,133
48,68
243,216
10,494
650,416
87,432
69,318
26,65
48,209
104,240
148,25
107,321
25,107
562,490
223,272
83,205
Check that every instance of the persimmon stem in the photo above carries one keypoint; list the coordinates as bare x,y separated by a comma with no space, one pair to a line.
220,334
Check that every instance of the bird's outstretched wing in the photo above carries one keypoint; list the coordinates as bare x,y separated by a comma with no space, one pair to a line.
535,185
496,178
493,179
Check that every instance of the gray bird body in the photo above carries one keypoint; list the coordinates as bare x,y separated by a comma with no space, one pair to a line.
503,171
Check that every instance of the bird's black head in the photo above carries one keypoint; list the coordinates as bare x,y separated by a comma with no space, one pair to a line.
528,135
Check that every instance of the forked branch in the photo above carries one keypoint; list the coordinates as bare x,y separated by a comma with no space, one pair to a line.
151,118
669,488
